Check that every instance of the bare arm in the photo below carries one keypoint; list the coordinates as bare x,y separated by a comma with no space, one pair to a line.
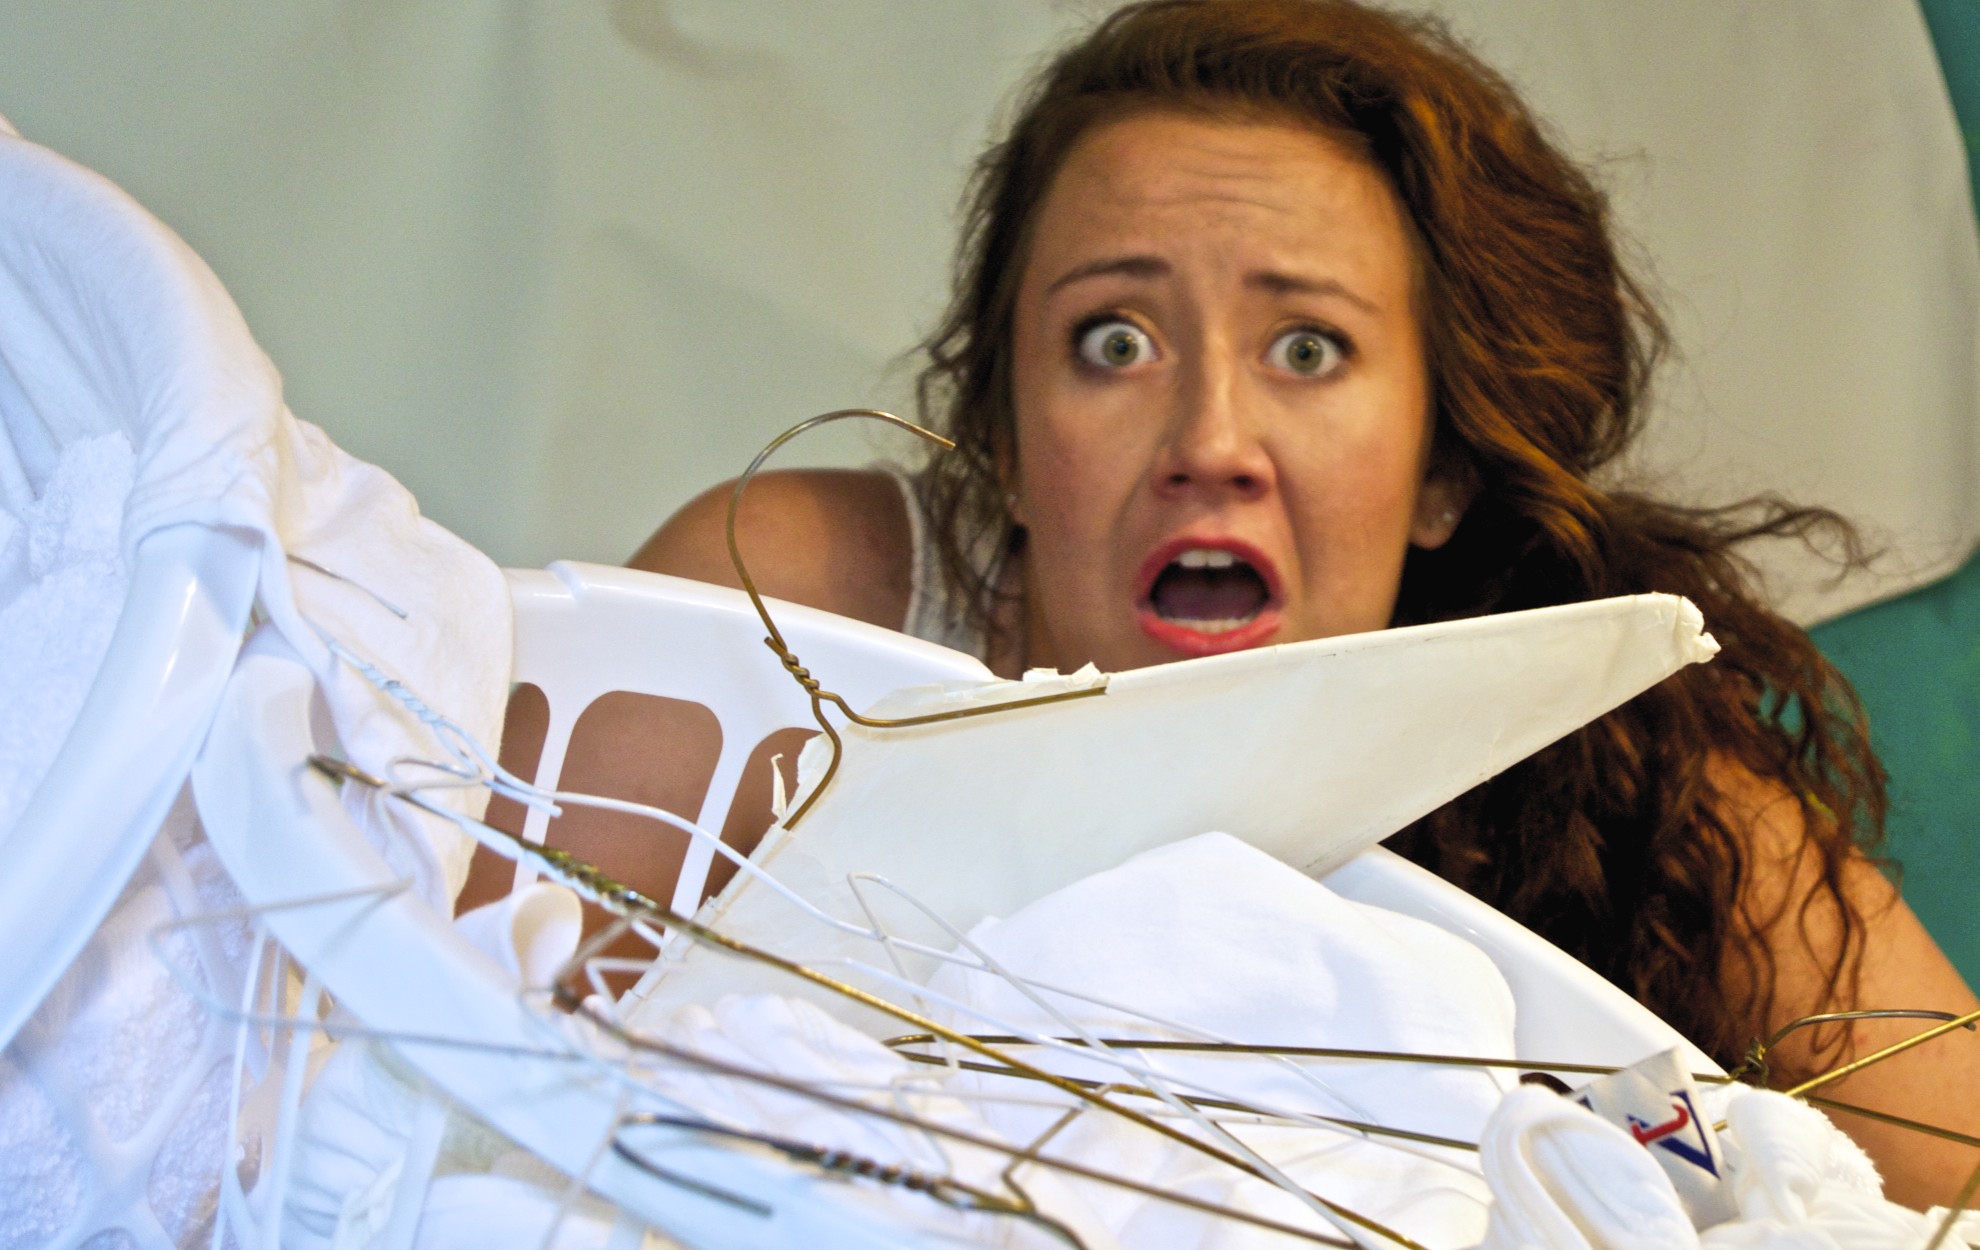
831,539
1938,1082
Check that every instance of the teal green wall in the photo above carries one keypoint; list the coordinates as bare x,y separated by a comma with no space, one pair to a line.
1916,660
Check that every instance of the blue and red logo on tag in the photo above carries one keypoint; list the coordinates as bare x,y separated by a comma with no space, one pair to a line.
1683,1134
1656,1103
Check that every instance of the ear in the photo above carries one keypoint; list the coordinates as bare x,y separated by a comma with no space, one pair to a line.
1003,459
1440,506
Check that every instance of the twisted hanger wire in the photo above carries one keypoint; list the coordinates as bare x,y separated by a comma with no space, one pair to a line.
1967,1021
947,1190
472,765
1755,1062
824,1097
631,905
813,689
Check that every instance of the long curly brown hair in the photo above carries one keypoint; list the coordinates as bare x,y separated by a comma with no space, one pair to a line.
1614,842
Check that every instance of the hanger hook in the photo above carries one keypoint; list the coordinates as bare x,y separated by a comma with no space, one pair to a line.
774,638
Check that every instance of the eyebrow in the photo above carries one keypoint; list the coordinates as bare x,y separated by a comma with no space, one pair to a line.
1126,266
1269,281
1292,284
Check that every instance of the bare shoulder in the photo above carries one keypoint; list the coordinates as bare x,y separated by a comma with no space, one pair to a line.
1788,895
1793,906
1761,811
834,539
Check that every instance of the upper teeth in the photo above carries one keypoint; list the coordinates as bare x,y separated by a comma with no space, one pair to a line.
1206,558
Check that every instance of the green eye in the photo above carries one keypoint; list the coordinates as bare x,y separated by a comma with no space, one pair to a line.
1115,344
1306,352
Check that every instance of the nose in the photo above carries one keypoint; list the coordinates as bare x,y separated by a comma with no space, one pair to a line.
1213,450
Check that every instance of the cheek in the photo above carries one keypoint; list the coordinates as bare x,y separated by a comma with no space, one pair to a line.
1067,479
1076,460
1353,503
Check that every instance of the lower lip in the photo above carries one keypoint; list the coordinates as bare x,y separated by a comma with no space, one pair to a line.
1196,642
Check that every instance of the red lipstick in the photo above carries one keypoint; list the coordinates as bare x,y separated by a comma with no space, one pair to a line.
1252,578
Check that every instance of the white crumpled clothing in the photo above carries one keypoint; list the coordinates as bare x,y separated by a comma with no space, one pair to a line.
1564,1179
1801,1182
1216,934
114,331
356,1128
113,325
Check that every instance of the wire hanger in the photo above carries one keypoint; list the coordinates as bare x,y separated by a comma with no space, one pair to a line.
775,639
1143,1098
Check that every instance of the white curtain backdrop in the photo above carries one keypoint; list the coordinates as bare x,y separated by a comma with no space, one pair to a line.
561,266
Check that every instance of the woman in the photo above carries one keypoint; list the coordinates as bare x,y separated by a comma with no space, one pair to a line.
1278,319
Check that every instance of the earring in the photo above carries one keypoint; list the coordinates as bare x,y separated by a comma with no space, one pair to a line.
1010,501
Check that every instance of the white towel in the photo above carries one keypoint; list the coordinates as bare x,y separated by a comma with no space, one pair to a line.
62,584
1801,1182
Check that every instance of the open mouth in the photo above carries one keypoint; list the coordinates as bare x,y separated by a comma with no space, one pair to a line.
1209,590
1204,599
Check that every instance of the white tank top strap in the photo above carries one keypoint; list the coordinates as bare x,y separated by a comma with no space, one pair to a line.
933,612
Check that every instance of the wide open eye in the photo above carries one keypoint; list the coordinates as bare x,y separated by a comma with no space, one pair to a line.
1115,344
1308,352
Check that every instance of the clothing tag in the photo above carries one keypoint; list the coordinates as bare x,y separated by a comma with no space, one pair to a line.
1655,1102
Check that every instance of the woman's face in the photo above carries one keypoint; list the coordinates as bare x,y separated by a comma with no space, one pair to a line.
1221,403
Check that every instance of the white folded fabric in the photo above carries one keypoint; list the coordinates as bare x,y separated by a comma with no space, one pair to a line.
1562,1178
530,933
351,559
1214,933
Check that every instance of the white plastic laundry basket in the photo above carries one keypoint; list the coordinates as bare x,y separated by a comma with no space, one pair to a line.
584,632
